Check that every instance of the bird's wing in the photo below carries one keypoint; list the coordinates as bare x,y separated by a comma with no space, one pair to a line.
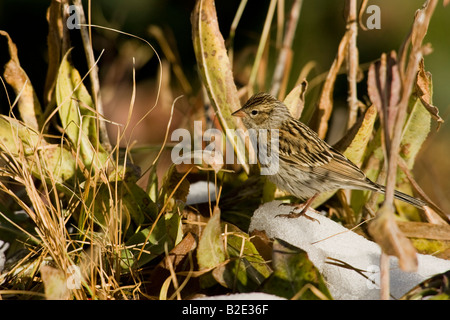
295,148
295,145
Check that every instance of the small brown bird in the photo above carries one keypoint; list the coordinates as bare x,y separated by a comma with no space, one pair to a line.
307,164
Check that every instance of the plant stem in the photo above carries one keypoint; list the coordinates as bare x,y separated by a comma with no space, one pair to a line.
291,26
352,62
261,46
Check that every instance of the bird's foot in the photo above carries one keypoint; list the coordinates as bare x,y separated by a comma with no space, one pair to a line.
294,214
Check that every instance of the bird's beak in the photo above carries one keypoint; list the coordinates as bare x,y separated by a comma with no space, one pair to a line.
239,113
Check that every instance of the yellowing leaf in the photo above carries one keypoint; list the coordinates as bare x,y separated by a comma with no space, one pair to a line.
211,251
295,100
215,69
355,151
76,114
22,142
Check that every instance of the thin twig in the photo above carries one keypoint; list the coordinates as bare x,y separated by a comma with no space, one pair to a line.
384,276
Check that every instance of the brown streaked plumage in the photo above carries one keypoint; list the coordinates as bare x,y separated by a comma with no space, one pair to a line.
307,164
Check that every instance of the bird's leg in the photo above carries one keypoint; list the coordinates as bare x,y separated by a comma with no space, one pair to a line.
302,212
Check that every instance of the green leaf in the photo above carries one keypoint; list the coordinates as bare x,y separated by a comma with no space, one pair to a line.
415,132
127,199
59,164
174,228
294,276
355,151
434,288
246,270
127,259
76,114
137,203
17,137
154,245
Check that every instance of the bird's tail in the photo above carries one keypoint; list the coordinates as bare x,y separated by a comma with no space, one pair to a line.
399,195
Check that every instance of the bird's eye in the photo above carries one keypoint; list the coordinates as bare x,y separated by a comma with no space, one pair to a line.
254,112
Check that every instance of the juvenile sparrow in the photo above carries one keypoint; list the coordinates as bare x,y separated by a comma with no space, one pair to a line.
307,164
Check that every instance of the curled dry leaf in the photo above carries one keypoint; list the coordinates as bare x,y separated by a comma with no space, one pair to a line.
54,44
424,89
425,230
28,103
391,240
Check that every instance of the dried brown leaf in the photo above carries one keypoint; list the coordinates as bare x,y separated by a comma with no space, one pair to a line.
391,240
28,103
424,91
54,44
325,105
424,230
